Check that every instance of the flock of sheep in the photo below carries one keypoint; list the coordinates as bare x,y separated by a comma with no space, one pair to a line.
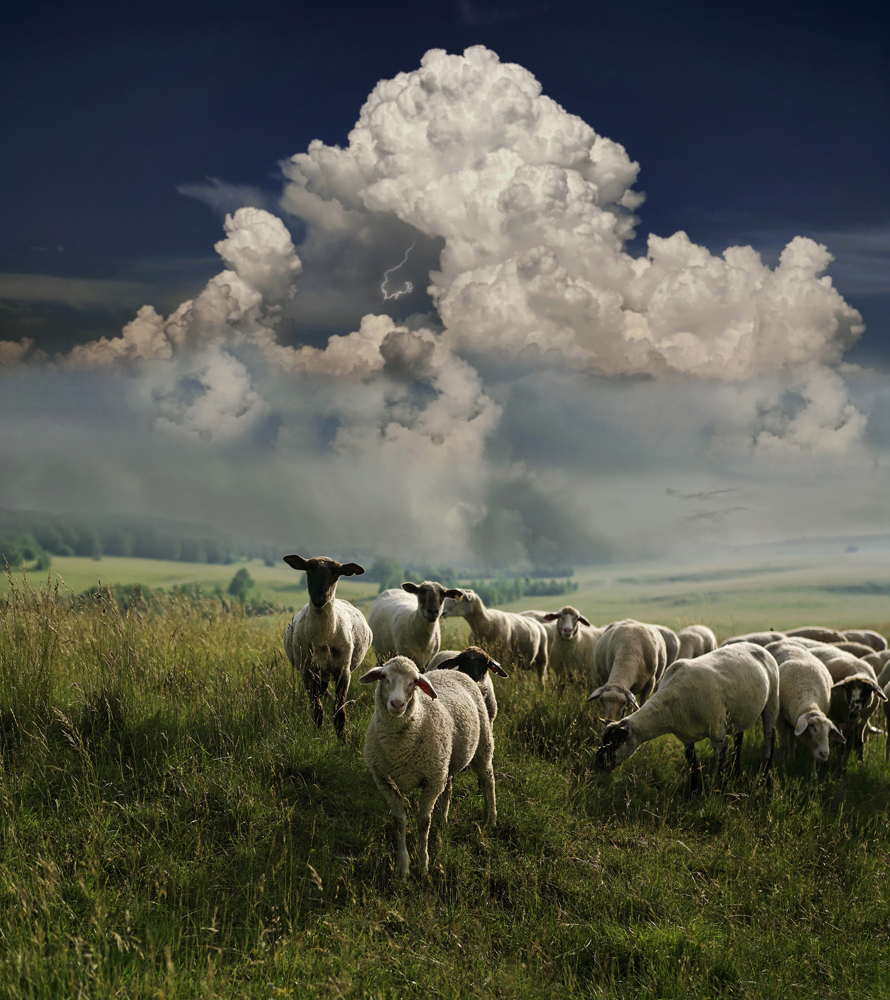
434,709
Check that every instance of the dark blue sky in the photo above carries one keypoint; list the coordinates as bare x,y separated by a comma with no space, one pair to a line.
751,123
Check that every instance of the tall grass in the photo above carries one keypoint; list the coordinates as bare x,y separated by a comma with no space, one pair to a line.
174,826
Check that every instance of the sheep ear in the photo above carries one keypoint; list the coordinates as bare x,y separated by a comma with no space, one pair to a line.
296,562
496,668
880,693
451,664
584,621
631,699
595,694
455,594
411,588
551,616
425,686
372,675
835,734
802,724
351,569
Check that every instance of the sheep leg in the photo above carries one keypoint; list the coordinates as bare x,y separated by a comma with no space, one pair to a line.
315,689
737,753
424,815
485,775
389,790
340,710
769,747
444,802
719,745
694,770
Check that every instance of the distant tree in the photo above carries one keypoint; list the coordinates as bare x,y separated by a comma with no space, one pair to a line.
241,583
388,572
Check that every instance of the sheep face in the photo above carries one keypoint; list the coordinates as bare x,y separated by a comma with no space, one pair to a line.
474,662
613,699
397,680
859,694
430,597
567,621
458,607
815,732
616,745
322,575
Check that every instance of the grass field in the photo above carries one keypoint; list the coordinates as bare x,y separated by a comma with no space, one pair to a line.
173,826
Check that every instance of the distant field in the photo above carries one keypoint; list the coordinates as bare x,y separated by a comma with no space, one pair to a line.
846,590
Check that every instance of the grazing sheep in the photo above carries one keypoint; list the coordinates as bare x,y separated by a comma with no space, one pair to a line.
571,652
629,660
887,715
423,740
758,638
854,697
406,622
877,661
858,649
510,637
695,640
328,638
816,632
866,636
550,627
804,699
475,663
724,691
671,643
884,675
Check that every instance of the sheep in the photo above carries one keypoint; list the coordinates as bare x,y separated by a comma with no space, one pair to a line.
858,649
804,699
629,660
877,661
514,637
550,627
866,636
328,638
406,622
854,696
571,652
884,675
671,643
816,632
758,638
475,663
695,640
422,740
887,715
724,691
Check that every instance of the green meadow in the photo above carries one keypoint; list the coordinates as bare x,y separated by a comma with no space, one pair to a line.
173,825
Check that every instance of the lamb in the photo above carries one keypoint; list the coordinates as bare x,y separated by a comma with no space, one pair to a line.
724,691
629,660
509,637
328,638
475,663
423,740
696,640
406,622
571,652
866,636
804,699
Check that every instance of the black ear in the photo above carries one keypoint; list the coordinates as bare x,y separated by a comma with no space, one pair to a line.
496,668
296,562
449,664
351,569
411,588
550,617
454,594
584,621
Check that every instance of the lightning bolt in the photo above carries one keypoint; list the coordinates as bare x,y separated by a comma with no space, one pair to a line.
408,286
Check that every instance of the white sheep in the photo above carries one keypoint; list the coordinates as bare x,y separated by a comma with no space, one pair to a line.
724,691
866,636
884,675
804,699
423,740
855,695
877,661
571,651
695,640
328,638
887,715
628,662
406,622
550,627
817,632
758,638
509,637
671,643
475,663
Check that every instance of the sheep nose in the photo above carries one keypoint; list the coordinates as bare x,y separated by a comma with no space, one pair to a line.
396,706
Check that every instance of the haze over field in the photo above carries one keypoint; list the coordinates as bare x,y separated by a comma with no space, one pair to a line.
560,384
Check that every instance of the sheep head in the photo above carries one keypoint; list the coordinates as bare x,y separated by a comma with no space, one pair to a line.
431,596
397,680
322,575
474,662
